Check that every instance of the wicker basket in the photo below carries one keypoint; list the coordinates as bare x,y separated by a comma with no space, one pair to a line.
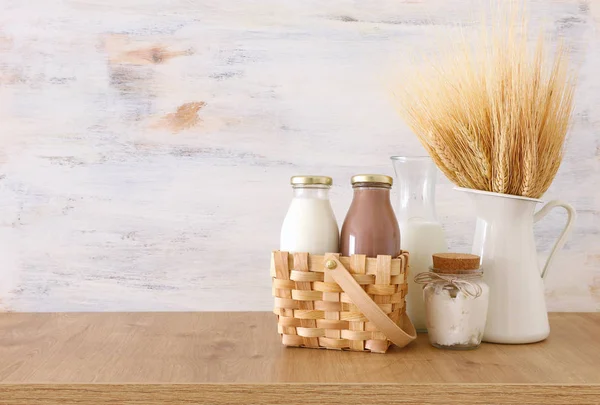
353,303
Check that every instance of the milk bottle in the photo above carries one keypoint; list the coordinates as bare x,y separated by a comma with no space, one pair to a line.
370,227
310,225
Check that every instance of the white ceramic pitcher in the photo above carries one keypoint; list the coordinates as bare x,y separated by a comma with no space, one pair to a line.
504,240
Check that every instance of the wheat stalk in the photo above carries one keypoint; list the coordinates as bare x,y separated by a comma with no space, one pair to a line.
493,117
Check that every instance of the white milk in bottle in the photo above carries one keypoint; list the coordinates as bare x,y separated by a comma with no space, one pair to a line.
310,225
422,234
421,238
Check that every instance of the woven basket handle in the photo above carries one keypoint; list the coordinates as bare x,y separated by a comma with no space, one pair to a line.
369,308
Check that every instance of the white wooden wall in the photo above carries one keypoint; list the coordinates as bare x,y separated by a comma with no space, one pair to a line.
146,145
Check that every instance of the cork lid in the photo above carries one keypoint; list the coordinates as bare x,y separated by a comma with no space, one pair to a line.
455,263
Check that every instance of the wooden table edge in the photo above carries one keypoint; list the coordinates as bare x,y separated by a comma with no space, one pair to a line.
297,393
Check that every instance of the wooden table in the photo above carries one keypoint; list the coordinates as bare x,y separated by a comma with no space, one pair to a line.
218,358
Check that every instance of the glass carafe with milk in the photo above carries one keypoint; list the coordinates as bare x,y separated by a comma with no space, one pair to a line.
310,225
422,234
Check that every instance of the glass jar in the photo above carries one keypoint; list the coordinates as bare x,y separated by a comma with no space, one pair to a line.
456,304
370,227
422,234
310,225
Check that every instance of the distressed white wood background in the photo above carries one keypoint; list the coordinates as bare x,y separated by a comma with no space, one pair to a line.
146,145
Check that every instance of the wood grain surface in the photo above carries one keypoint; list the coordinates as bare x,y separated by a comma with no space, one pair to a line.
244,347
105,356
299,394
221,358
146,146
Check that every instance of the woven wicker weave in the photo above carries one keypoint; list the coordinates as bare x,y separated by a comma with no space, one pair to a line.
313,311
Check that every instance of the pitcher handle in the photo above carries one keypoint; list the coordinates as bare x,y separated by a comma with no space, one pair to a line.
571,215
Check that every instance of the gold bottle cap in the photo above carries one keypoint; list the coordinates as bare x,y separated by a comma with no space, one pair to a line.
372,178
308,180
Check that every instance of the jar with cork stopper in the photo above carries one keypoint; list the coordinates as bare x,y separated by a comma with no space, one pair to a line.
456,301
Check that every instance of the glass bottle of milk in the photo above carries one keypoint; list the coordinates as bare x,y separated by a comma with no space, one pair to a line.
422,234
310,225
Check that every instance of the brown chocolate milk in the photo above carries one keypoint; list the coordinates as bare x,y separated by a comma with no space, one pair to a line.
370,227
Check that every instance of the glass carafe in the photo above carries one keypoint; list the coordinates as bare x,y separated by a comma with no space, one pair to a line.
422,234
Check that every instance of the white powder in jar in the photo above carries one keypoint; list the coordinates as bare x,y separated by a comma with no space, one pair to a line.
453,318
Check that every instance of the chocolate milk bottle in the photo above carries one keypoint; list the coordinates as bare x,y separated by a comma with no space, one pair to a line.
370,227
